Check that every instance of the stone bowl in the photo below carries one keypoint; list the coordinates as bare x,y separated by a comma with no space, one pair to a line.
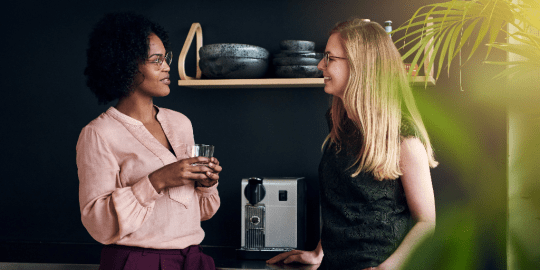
289,53
297,45
233,67
295,61
297,71
233,50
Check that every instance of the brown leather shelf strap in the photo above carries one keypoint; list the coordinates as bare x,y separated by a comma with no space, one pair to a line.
195,29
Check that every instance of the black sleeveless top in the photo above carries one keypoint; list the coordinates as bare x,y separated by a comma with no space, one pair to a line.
363,219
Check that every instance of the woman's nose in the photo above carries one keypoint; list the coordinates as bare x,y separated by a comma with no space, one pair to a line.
321,65
165,66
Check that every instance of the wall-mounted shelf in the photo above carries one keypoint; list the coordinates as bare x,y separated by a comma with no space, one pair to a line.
253,83
419,81
199,83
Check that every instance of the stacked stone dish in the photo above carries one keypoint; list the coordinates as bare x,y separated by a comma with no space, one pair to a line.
297,59
233,61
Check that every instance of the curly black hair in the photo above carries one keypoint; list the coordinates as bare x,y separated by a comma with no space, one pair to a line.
118,43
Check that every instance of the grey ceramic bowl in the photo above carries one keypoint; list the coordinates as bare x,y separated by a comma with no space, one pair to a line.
297,45
298,72
292,61
233,67
233,50
288,53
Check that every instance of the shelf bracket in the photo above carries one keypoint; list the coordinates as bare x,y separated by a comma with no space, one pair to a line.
195,29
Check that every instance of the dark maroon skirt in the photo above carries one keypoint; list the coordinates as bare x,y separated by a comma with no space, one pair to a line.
116,257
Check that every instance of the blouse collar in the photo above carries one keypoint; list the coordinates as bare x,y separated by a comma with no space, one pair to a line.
112,111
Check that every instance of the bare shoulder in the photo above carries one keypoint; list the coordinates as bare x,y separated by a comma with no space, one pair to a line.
413,152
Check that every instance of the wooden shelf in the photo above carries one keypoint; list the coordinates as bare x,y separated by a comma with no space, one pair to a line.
197,82
418,81
253,83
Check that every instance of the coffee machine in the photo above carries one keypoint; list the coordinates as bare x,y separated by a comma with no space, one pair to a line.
273,216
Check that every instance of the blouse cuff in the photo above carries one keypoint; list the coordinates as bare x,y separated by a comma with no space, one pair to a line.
145,192
207,191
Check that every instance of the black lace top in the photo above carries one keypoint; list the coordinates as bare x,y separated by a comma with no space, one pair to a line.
364,220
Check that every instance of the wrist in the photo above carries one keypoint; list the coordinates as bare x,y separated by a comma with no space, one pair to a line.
156,182
319,251
318,255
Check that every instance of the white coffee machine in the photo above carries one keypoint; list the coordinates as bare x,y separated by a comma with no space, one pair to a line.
273,216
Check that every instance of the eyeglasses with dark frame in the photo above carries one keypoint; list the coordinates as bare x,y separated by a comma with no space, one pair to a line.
161,59
327,58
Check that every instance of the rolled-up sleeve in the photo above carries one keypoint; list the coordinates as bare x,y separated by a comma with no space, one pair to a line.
209,201
109,211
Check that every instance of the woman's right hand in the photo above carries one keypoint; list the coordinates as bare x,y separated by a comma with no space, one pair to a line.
301,256
177,173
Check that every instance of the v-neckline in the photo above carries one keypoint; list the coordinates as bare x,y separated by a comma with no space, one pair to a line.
163,123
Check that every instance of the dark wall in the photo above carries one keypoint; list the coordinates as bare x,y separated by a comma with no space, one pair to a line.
257,132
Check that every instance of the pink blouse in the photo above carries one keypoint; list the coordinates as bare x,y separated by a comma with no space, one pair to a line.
119,205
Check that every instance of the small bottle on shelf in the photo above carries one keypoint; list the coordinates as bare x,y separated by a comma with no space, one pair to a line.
388,27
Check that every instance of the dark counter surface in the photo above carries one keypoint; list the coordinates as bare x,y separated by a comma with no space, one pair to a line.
76,256
66,266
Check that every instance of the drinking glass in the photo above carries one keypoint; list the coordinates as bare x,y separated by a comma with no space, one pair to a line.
200,150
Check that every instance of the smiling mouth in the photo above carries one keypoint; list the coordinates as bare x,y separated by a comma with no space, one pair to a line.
327,78
166,81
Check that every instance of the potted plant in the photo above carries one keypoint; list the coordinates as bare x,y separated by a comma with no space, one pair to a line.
448,27
451,25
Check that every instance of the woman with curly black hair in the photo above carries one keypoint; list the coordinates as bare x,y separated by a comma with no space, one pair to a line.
138,191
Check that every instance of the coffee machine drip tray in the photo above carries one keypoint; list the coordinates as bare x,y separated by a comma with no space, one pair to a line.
254,226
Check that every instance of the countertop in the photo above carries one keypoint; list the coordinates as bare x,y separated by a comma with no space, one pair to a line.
64,256
220,265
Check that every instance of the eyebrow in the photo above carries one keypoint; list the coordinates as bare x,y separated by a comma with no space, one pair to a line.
158,54
330,53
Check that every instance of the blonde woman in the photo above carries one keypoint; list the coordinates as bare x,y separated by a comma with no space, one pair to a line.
377,198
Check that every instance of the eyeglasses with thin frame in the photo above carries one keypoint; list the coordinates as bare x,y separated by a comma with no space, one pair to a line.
327,58
161,59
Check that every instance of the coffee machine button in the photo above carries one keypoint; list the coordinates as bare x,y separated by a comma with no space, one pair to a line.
282,195
255,220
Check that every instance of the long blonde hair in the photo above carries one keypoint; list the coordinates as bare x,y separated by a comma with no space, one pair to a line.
377,98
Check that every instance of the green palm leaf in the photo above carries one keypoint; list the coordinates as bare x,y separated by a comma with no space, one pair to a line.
452,24
517,70
528,51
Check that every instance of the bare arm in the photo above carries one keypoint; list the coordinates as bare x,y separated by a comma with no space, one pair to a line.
416,180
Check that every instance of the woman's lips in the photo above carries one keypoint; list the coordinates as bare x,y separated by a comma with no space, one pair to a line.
166,81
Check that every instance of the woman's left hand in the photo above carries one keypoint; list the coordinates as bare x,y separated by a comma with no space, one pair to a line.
213,177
